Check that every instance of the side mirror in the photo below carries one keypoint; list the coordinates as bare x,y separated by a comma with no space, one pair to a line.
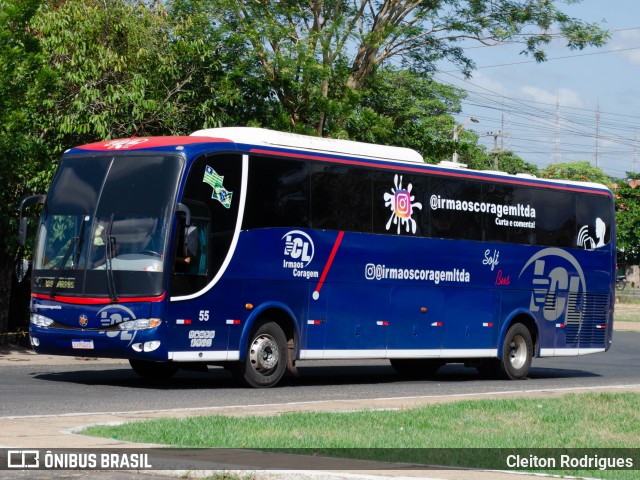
191,241
191,246
24,221
182,208
22,231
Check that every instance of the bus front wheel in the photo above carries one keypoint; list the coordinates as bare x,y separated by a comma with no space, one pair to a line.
517,352
266,360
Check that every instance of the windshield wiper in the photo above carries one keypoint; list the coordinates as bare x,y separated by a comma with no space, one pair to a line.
111,285
80,237
67,254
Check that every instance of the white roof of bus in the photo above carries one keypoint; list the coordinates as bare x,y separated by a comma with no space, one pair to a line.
272,138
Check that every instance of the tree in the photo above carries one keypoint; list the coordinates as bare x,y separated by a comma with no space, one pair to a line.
311,51
627,197
579,171
403,108
508,162
20,67
78,71
126,69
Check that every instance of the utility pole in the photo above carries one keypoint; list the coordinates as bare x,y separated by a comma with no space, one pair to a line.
598,135
556,135
635,151
502,130
456,133
496,151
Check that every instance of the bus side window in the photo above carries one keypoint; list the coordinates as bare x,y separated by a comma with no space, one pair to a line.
555,218
593,217
497,230
278,193
453,219
341,198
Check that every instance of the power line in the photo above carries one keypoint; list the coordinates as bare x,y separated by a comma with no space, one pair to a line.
534,125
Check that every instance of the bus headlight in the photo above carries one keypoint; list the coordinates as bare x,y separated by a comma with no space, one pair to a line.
40,320
140,324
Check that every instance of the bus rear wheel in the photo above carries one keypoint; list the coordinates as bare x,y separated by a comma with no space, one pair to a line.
154,370
517,353
266,360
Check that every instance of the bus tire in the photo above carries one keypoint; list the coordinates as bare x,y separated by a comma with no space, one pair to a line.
416,367
154,370
517,353
266,360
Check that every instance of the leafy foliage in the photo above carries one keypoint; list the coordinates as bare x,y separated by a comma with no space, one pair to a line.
399,107
311,52
20,60
627,197
579,171
123,69
507,162
76,71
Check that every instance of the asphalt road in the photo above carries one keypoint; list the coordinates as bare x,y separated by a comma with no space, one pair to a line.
95,386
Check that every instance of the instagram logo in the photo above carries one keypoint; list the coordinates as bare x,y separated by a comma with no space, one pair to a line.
402,203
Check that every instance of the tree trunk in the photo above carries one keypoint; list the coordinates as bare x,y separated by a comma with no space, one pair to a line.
325,95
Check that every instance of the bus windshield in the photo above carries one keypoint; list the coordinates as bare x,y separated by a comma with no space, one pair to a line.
105,225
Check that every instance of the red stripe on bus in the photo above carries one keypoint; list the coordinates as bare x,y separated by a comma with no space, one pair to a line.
96,300
336,245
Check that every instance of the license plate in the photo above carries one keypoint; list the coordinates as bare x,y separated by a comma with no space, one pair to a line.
82,344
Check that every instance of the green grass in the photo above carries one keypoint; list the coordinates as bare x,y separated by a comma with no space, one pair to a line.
573,421
626,317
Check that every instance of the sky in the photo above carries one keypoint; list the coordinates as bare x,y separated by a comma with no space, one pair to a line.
547,112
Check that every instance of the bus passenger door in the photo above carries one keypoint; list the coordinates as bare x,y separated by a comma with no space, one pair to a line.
358,318
415,329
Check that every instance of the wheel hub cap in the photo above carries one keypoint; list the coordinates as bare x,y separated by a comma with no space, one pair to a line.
264,353
518,353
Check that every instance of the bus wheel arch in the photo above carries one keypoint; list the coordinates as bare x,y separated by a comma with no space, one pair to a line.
529,322
516,350
268,348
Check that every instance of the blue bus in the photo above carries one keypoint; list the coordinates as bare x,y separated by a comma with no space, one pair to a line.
253,249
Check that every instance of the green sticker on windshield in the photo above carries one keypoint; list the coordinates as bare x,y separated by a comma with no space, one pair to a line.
219,192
